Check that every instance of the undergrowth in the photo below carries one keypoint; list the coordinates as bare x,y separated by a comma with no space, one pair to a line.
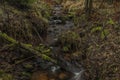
26,26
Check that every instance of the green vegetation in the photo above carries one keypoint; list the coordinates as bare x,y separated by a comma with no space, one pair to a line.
4,76
69,41
39,36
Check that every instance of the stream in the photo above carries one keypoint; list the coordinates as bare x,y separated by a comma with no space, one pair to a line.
74,71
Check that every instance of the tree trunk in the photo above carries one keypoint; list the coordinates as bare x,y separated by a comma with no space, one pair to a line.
88,7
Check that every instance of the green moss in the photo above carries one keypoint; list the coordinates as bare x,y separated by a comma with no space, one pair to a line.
1,12
110,21
28,45
5,36
28,66
43,49
26,74
99,30
5,76
65,49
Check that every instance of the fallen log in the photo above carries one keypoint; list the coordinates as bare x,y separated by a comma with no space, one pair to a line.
60,61
26,47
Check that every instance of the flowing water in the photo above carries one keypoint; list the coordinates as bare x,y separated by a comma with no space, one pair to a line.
57,27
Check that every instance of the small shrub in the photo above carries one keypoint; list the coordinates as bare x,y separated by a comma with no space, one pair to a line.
103,32
70,41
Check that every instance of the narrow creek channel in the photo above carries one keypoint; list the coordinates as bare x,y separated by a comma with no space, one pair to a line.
66,70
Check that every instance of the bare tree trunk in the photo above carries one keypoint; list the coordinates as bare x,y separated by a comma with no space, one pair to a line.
88,7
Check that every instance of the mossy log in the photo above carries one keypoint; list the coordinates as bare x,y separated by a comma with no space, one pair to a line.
60,61
26,47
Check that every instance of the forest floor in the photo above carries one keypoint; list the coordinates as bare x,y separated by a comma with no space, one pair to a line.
91,46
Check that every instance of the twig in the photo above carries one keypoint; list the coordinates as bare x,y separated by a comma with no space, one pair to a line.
16,63
6,47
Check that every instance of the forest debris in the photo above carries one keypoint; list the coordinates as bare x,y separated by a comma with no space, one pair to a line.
26,47
6,47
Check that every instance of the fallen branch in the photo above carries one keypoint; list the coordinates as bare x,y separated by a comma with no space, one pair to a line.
61,62
26,46
7,47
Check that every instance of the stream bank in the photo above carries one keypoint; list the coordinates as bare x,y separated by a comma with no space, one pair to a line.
65,70
97,42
